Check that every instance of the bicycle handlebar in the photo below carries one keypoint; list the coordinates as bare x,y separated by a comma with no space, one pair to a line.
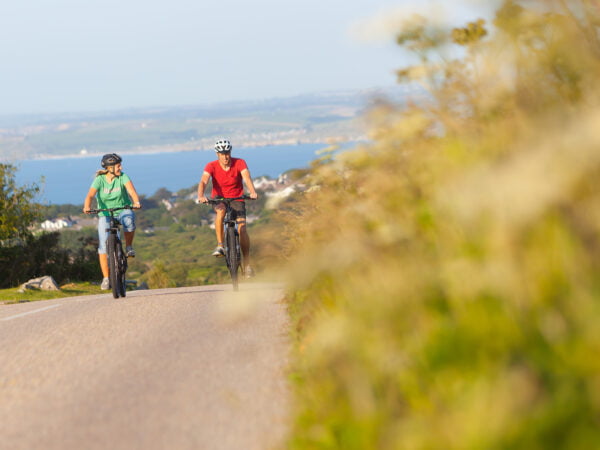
217,200
110,210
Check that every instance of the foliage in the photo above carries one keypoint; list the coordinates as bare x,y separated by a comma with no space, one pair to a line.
158,277
173,259
449,298
179,236
17,209
24,255
187,246
41,255
65,210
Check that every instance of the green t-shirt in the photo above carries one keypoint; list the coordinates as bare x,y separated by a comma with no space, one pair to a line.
113,194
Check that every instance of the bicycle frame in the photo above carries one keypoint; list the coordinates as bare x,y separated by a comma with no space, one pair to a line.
233,256
117,261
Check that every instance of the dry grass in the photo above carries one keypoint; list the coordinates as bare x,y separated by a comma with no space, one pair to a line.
445,278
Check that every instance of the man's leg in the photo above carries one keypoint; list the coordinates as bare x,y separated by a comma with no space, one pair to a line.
245,245
220,210
244,240
219,224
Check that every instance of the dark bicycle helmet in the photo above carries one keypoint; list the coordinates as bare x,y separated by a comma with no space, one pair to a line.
222,146
110,159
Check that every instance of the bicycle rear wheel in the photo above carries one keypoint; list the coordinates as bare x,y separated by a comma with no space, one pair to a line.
233,258
113,265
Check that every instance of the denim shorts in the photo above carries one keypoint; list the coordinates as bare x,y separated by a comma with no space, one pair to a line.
127,219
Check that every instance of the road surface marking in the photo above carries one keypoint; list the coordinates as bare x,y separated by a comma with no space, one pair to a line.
16,316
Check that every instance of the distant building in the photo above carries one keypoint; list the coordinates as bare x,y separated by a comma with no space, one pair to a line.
265,184
56,224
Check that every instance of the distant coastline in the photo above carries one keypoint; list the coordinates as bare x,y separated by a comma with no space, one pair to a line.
184,148
65,181
324,119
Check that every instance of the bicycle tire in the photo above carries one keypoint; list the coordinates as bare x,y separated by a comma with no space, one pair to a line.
233,259
113,265
122,269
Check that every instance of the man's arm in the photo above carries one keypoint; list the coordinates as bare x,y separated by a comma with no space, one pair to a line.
249,184
202,186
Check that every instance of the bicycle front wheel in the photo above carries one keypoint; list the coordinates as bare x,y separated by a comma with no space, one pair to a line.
114,265
122,269
233,257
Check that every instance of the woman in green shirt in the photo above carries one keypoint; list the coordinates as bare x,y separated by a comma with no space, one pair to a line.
112,189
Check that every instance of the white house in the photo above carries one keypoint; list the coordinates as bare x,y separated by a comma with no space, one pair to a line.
56,224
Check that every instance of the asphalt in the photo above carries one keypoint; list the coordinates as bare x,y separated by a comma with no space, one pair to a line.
185,368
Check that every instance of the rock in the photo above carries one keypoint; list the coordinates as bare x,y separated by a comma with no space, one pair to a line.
49,284
45,283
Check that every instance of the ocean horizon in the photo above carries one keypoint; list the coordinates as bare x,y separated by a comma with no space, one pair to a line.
66,180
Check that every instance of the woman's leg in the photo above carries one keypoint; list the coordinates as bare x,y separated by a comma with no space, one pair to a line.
103,264
127,219
102,236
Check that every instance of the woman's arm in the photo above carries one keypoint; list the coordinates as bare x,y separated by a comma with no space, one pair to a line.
133,195
87,203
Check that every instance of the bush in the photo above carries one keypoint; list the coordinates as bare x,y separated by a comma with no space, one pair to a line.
446,276
41,255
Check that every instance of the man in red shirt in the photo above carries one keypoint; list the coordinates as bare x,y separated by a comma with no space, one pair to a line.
227,175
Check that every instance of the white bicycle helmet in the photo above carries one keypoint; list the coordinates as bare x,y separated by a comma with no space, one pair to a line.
222,146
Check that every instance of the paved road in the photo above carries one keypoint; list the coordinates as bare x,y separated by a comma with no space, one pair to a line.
186,368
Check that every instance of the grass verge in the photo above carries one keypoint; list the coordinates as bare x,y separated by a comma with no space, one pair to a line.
9,296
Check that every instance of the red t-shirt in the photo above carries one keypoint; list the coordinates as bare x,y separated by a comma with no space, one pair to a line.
227,183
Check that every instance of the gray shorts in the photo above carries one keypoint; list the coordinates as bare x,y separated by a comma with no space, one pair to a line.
238,209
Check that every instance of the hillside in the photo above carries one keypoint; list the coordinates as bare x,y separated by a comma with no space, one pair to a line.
175,236
302,119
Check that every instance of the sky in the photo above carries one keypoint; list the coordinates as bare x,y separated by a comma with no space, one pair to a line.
103,55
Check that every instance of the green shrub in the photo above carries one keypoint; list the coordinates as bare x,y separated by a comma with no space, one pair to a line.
41,255
445,282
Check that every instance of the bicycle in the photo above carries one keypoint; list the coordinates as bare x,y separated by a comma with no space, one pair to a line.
233,256
117,261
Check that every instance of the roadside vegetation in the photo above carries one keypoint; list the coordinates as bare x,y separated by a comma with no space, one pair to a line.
445,284
173,242
12,295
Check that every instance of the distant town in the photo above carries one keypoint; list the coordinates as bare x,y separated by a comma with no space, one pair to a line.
274,190
316,118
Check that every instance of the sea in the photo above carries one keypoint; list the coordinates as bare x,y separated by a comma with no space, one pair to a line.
67,180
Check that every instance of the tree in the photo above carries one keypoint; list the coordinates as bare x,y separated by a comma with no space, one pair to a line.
17,208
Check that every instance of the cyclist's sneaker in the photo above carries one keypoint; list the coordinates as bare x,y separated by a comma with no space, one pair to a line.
105,284
219,252
130,252
249,272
